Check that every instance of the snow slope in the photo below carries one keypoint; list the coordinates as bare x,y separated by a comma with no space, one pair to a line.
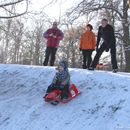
103,105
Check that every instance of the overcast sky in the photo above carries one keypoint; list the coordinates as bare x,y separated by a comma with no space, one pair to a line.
54,10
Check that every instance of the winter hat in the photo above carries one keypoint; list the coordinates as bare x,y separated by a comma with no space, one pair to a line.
91,27
64,64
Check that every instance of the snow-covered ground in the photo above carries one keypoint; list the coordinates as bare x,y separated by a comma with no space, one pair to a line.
103,105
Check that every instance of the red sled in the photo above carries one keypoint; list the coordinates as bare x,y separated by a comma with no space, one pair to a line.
55,95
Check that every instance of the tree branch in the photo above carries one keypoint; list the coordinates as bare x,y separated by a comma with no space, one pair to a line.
94,5
11,3
13,15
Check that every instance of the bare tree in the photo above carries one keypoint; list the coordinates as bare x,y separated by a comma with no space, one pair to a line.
35,40
69,47
117,8
5,39
12,8
17,35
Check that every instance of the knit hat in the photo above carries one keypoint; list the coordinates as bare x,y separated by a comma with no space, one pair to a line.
91,27
64,64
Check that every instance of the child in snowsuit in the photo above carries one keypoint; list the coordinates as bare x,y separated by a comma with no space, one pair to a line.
61,81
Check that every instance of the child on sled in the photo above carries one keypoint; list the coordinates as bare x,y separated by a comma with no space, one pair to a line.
61,81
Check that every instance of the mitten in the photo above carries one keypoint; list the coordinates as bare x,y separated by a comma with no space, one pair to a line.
107,49
80,49
51,34
96,49
62,86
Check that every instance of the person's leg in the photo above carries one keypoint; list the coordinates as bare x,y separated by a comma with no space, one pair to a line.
47,55
89,56
84,53
113,57
98,55
50,89
53,54
65,92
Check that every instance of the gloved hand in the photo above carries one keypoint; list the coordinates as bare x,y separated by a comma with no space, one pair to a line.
52,85
80,49
55,79
51,34
107,49
96,49
54,36
61,86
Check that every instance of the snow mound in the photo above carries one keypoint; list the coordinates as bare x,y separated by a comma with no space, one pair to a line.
103,105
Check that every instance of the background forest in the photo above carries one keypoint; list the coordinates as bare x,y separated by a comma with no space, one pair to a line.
21,31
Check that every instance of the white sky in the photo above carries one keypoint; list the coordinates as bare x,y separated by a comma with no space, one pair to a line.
54,10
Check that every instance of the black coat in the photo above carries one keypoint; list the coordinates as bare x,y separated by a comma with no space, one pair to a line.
107,34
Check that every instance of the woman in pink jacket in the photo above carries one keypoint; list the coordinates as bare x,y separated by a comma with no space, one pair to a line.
53,36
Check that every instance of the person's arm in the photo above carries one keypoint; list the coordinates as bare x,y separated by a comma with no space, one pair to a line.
61,35
66,81
94,41
46,34
54,81
81,42
98,37
112,37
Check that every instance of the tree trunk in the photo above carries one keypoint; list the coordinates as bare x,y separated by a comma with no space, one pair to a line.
7,41
126,34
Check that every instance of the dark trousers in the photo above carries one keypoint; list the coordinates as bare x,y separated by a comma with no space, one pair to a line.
99,53
87,57
64,90
50,55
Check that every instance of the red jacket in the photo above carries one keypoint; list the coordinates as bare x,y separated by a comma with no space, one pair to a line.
53,36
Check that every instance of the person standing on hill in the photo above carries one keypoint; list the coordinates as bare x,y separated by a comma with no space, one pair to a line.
87,46
106,32
53,36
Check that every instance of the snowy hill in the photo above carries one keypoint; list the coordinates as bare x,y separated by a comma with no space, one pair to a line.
103,105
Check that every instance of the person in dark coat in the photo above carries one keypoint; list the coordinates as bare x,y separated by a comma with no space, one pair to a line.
106,32
53,36
61,80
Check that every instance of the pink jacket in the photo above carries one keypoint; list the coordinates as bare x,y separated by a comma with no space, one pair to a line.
53,36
